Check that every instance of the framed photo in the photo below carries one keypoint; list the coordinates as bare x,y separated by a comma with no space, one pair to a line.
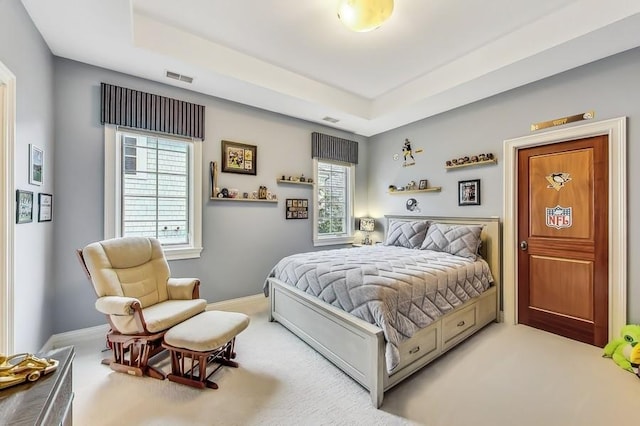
297,208
36,165
469,192
24,206
423,184
45,207
239,158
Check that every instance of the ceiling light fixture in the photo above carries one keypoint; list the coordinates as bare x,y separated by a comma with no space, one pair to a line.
364,15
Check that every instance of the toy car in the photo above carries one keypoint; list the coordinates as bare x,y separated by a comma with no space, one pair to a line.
19,368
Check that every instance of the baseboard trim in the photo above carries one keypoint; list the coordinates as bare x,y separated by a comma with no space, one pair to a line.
73,337
76,336
232,304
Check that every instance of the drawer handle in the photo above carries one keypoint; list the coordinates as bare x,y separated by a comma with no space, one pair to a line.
414,350
461,323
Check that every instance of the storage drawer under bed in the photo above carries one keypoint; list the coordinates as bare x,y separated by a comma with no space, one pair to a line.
423,343
455,325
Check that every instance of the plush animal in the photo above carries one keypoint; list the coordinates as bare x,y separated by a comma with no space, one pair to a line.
635,359
625,350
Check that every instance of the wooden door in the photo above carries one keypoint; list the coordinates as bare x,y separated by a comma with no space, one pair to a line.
563,235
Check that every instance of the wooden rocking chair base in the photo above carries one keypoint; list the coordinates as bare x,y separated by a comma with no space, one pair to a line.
189,367
131,354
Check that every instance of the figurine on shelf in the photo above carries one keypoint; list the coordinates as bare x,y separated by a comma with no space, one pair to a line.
262,193
302,178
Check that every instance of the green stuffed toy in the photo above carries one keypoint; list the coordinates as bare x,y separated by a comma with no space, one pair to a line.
625,350
635,359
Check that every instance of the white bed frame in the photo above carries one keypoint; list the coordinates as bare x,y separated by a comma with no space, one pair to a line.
358,348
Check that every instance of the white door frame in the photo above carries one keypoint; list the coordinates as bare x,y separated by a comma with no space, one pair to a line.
7,213
616,129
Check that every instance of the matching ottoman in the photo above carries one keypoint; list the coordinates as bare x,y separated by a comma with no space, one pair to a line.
208,337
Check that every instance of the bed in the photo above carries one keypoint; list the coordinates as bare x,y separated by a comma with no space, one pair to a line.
375,348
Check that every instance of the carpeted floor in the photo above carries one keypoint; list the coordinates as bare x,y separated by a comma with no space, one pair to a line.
505,375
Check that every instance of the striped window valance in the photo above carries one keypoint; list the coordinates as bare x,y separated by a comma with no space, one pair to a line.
328,147
140,110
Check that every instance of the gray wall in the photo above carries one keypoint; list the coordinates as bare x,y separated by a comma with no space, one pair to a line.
32,63
242,241
611,87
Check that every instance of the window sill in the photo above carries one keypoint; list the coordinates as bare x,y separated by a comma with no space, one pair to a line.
181,253
333,241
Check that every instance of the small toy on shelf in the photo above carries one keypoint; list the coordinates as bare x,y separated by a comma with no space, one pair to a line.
470,160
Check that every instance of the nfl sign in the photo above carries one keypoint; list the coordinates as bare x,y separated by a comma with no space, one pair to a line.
559,217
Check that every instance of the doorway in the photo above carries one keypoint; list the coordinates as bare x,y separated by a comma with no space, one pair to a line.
563,196
7,214
616,275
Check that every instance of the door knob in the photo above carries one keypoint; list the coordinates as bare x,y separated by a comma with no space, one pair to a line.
523,245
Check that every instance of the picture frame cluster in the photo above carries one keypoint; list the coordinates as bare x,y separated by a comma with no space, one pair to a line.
24,207
25,199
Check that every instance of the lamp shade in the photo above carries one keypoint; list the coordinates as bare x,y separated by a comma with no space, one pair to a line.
364,15
367,224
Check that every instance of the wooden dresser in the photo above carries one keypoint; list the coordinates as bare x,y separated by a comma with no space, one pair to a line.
44,402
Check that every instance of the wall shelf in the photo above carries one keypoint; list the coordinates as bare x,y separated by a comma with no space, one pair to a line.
251,200
414,191
477,163
292,182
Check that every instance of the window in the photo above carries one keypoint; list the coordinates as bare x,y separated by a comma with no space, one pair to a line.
333,203
153,189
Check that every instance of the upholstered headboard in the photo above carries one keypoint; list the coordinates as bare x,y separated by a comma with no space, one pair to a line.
491,248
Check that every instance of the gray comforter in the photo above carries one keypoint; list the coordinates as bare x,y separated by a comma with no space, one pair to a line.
398,289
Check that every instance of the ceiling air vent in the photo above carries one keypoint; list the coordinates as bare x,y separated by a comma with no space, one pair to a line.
179,77
331,119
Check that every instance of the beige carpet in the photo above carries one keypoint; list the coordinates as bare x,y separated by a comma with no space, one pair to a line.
505,375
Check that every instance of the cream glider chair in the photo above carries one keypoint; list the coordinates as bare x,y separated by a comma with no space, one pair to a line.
131,278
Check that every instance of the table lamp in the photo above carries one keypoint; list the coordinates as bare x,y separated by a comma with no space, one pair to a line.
367,224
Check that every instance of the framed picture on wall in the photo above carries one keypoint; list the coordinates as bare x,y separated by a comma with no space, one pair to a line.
469,192
24,206
36,165
45,207
239,158
297,208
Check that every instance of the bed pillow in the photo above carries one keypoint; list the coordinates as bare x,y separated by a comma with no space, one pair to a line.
459,240
409,234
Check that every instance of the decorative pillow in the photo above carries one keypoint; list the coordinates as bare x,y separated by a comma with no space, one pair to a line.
409,234
460,240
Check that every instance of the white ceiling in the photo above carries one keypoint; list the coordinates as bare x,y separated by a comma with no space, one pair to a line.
294,56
